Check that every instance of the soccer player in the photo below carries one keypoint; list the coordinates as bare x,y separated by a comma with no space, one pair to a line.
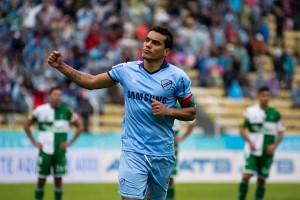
53,120
151,89
178,138
263,131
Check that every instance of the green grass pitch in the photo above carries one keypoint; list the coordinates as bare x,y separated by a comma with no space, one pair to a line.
201,191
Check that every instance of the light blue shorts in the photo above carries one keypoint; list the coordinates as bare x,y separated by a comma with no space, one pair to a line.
143,175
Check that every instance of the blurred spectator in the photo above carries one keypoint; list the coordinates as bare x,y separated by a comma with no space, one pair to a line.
273,85
235,90
265,30
246,86
94,37
225,59
236,5
245,19
280,20
214,68
258,45
260,80
296,95
220,38
141,31
28,14
46,17
295,7
16,46
84,109
231,75
296,49
85,16
289,68
278,62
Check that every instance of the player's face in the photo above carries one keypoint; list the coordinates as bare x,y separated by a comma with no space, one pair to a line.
55,98
264,98
154,47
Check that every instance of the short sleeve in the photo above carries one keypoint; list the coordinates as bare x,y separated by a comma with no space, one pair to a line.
245,123
33,116
183,92
280,124
116,72
74,117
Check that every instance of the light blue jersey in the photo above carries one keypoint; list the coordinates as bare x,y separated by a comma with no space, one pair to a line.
142,131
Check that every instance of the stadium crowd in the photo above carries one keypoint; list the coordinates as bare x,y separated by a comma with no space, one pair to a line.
222,39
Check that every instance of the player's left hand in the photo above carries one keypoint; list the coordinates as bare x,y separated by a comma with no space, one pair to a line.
271,149
158,108
65,145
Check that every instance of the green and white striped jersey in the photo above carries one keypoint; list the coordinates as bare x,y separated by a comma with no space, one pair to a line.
53,126
263,127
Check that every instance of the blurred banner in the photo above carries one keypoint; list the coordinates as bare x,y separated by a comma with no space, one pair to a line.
226,166
88,165
95,158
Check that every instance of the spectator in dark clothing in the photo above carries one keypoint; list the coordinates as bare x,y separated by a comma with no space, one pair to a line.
246,86
280,19
278,63
296,95
84,109
232,74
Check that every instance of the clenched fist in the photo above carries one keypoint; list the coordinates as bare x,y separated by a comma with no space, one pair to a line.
55,59
158,108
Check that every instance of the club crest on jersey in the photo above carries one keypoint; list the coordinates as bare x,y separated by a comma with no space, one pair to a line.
166,84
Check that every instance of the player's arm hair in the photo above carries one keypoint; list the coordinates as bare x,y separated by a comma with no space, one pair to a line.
85,80
27,124
183,114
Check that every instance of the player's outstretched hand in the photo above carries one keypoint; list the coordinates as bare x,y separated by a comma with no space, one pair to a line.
55,59
158,108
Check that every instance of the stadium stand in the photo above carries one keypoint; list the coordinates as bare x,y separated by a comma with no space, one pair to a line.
95,35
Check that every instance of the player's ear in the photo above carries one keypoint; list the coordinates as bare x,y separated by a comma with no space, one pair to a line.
167,52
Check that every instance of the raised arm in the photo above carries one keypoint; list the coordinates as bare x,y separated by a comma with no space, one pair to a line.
82,79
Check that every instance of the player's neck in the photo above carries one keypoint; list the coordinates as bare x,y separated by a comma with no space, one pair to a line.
153,66
264,107
54,105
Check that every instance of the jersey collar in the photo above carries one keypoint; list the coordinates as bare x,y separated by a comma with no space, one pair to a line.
165,64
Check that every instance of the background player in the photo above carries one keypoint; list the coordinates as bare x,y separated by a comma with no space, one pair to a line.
263,131
53,120
152,88
178,138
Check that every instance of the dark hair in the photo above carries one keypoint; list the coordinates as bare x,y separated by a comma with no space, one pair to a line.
54,88
167,33
263,89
